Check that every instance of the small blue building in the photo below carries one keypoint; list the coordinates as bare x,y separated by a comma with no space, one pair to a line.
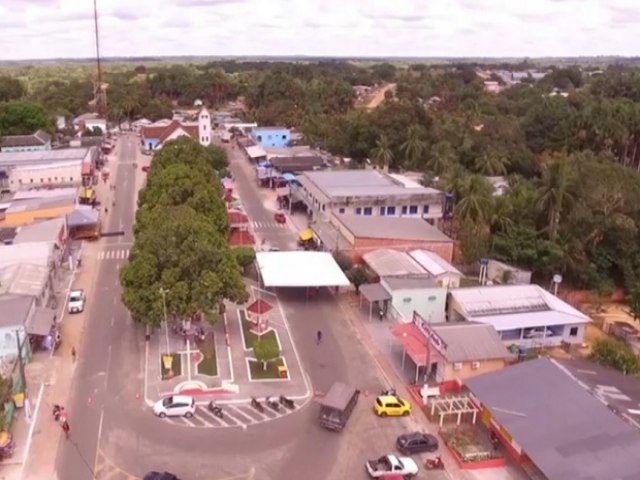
274,137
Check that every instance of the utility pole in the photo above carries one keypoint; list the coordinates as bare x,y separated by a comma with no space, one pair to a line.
21,363
163,292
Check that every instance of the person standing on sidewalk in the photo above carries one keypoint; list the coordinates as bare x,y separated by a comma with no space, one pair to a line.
318,337
73,353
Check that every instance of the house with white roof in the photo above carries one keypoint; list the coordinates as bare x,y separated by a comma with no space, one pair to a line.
525,315
442,271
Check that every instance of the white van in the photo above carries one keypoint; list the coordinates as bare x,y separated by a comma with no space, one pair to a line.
175,406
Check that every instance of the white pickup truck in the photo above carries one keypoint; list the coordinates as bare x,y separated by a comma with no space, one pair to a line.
76,301
391,465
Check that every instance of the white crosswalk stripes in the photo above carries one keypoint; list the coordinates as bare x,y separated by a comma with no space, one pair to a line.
233,416
114,254
267,225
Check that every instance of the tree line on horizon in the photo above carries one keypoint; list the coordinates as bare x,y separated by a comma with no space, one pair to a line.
567,145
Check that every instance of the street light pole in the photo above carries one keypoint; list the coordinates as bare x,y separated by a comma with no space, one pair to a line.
163,292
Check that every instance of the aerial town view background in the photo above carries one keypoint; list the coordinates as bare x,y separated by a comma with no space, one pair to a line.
305,245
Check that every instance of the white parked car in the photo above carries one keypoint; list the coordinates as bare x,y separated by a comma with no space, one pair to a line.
175,406
76,301
392,465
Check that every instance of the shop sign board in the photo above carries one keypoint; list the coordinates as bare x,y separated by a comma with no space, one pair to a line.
433,338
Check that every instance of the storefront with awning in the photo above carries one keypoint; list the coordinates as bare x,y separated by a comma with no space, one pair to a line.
374,294
423,346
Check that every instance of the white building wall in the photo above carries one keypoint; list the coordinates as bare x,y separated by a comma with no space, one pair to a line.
204,127
56,174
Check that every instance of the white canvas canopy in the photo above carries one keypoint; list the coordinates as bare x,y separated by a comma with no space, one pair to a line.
300,269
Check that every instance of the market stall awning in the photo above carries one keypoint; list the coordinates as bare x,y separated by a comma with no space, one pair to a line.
300,269
374,292
415,344
306,234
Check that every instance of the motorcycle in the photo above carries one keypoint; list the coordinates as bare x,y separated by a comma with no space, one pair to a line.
257,405
215,409
58,412
392,392
272,404
7,445
434,463
287,402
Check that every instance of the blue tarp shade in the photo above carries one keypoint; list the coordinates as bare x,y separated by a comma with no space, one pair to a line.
288,177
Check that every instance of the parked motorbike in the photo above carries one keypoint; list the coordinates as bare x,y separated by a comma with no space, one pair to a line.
7,445
287,402
272,404
58,411
389,392
257,405
215,409
434,463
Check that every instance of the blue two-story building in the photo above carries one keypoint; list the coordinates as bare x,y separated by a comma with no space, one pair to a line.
274,137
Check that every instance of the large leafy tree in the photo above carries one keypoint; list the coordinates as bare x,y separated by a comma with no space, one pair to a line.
20,117
180,243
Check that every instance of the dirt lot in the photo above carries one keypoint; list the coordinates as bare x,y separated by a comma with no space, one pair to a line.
377,97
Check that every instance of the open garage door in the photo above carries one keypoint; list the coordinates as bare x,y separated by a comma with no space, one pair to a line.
300,269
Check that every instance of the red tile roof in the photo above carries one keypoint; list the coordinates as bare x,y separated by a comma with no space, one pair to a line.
259,307
236,217
162,133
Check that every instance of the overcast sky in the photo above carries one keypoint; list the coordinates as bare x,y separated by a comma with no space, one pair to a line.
490,28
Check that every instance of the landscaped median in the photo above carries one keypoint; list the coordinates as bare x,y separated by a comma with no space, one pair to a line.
266,363
208,363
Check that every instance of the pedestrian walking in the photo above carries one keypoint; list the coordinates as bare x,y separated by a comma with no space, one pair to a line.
66,428
318,337
73,353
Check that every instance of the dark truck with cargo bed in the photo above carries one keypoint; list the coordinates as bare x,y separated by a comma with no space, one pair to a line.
336,406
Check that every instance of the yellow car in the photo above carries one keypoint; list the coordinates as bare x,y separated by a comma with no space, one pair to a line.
391,406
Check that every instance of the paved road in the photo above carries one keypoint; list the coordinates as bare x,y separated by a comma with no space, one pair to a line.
107,333
115,436
262,222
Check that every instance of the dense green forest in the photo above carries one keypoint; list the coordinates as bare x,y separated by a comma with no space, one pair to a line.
572,161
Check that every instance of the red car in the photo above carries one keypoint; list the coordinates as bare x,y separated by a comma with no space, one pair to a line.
146,168
280,218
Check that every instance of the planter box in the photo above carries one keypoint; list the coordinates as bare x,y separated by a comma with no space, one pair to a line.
481,465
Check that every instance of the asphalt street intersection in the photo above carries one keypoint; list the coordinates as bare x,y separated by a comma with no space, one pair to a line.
620,392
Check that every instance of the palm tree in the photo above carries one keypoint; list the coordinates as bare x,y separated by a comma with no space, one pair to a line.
491,163
554,191
382,154
476,202
414,146
441,157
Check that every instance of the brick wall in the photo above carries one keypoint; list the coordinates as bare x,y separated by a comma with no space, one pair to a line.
364,245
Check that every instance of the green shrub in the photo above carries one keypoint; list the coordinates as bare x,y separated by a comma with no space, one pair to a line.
615,354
